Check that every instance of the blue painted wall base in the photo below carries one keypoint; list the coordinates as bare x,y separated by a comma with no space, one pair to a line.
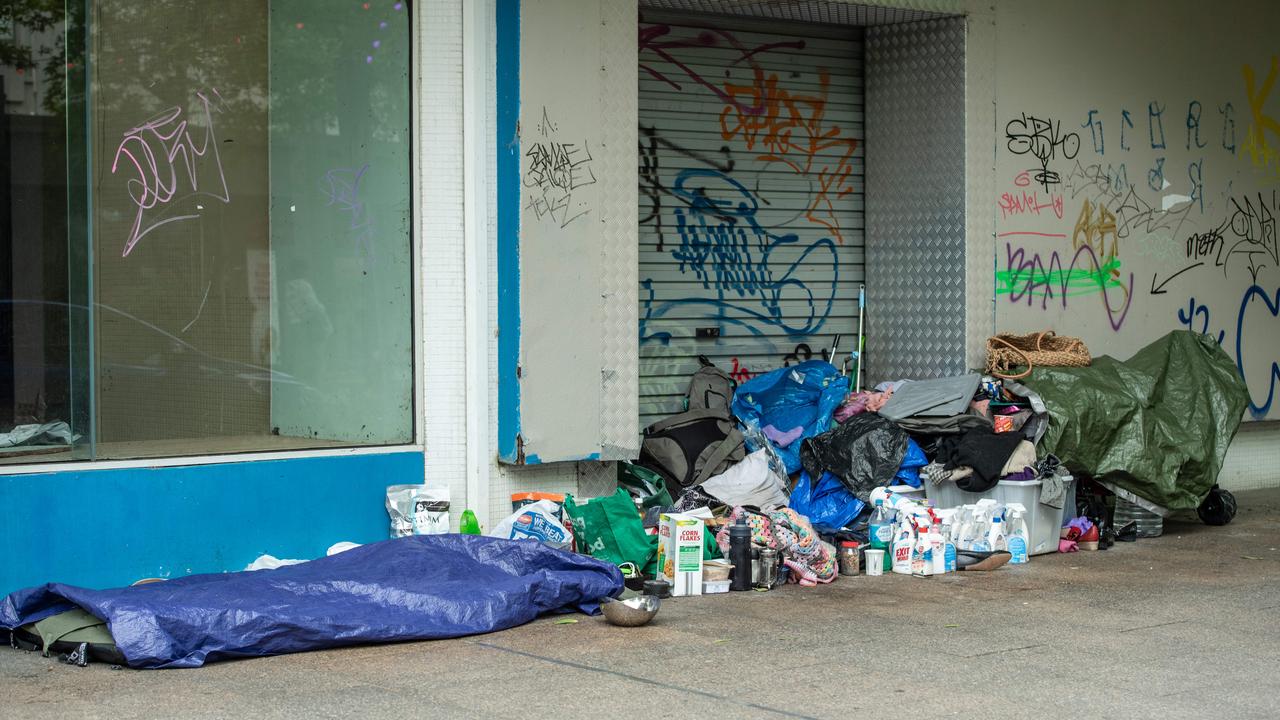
106,528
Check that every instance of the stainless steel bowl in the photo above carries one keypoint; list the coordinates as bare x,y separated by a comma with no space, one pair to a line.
632,612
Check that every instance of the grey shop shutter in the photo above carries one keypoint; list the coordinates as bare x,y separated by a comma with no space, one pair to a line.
751,197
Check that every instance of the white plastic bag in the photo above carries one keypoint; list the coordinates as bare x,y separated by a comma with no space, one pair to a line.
750,482
271,562
418,510
536,521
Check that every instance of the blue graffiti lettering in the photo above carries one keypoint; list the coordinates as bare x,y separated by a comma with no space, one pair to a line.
1095,128
1194,173
1154,121
1188,319
1193,123
1155,176
1125,119
723,245
1228,121
1258,410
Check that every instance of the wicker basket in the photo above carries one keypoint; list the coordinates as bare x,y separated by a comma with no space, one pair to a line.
1007,352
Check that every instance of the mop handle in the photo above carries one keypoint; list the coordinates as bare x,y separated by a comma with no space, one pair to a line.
857,373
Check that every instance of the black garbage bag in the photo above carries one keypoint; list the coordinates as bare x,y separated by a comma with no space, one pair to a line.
1218,508
865,453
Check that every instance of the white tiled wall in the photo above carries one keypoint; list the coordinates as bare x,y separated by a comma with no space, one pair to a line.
439,218
1253,462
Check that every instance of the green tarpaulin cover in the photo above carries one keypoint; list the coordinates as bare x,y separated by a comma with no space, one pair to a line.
1157,424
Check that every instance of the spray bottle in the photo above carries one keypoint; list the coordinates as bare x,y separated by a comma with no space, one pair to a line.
995,536
937,547
962,527
922,553
977,533
1016,533
948,532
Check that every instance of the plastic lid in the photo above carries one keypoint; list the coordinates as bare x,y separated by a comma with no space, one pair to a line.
849,543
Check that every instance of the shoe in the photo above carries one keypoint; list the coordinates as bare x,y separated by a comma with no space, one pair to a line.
973,560
1089,539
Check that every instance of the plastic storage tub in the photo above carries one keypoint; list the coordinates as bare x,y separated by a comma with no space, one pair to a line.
1044,523
915,493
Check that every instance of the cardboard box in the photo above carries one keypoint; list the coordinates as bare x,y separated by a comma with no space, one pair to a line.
680,538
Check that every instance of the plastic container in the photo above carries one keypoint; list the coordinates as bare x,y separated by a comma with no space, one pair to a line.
519,500
848,559
1149,524
715,587
875,561
715,570
1044,523
915,493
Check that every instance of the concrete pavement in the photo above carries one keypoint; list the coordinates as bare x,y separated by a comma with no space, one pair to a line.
1179,626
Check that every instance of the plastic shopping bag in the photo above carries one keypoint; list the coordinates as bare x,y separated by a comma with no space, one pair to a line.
790,404
609,528
909,471
828,504
536,521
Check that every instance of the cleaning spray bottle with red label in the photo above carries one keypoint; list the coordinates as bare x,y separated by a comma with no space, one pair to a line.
904,541
922,553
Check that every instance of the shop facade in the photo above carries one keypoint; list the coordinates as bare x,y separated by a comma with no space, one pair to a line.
272,258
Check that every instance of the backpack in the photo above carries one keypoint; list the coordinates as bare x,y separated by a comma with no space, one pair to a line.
709,387
692,446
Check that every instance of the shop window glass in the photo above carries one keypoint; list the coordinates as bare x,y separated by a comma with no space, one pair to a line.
228,204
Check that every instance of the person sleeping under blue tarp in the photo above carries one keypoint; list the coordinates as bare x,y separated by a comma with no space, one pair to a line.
414,588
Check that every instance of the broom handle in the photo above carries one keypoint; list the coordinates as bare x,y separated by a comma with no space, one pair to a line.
857,373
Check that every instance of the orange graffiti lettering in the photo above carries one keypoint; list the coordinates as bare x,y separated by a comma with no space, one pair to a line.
790,129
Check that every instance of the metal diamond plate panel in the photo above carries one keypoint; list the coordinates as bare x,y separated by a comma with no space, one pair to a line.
915,200
597,479
619,351
831,12
980,132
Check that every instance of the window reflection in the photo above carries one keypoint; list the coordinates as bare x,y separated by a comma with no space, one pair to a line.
248,214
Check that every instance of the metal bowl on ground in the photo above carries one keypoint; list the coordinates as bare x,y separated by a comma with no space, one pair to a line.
632,612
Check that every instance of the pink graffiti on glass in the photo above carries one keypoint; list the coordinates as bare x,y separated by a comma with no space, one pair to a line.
155,149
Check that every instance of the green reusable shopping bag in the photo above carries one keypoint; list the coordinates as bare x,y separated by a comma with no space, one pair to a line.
644,484
610,529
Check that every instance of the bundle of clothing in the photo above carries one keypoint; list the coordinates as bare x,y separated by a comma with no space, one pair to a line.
810,560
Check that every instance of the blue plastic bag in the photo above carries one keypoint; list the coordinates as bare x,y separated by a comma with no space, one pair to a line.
909,471
829,505
796,401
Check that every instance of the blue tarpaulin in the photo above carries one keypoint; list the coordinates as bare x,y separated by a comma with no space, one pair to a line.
415,588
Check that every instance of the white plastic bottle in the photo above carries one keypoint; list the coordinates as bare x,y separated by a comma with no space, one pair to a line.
1016,534
880,529
980,531
938,550
904,541
962,529
922,553
995,536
